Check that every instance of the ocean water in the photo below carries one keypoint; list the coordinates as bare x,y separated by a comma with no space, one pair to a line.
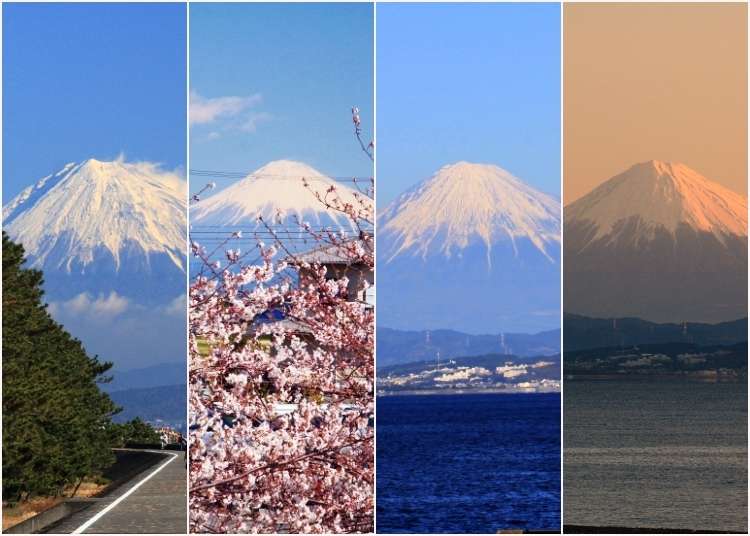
656,454
468,463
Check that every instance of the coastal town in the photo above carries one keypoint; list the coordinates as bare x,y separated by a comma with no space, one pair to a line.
708,363
471,375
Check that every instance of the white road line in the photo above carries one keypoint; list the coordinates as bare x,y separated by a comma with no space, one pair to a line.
122,497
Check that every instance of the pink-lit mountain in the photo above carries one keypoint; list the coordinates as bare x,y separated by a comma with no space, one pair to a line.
658,242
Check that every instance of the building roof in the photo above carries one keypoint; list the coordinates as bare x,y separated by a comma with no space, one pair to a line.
329,254
277,317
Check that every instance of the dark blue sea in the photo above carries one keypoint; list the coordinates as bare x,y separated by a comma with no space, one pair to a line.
468,463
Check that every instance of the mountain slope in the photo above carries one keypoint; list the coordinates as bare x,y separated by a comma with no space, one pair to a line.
101,226
658,242
274,190
473,249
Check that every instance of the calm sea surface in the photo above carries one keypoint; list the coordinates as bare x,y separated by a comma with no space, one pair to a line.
667,454
468,463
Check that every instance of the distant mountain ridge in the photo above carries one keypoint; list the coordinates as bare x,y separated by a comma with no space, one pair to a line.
395,347
148,377
471,248
582,333
165,404
658,242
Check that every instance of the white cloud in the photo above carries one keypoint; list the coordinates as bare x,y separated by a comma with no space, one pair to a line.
140,336
102,307
251,123
177,307
106,307
207,110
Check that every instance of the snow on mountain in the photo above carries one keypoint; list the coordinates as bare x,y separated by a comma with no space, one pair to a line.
662,195
659,242
274,190
101,223
32,193
465,202
472,249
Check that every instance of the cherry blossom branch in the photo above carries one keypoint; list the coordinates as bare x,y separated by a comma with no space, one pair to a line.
276,465
368,149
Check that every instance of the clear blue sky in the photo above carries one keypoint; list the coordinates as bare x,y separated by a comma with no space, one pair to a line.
91,80
294,71
475,82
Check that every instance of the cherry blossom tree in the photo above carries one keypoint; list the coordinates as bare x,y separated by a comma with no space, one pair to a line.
281,379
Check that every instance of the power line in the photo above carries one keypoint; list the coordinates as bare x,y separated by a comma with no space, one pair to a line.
206,241
241,175
231,230
272,226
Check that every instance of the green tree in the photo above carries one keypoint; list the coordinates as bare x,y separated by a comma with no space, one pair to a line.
135,431
55,418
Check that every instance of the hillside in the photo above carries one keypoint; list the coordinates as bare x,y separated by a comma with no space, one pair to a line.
396,346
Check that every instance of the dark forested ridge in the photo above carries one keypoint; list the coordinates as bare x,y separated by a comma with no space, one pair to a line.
581,332
56,419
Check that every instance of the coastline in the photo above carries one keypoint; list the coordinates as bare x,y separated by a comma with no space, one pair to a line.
677,377
458,392
586,529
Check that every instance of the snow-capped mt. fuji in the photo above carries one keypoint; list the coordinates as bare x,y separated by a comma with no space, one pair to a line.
472,248
104,226
665,196
659,242
466,203
274,190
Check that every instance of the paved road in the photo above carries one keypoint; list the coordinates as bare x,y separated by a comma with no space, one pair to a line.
156,506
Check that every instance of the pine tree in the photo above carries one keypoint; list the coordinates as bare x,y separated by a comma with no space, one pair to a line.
138,431
56,420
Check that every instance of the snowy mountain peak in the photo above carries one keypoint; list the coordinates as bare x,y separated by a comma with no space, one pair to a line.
285,169
661,195
275,189
464,203
95,209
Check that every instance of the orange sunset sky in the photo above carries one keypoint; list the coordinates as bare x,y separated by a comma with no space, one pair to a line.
654,81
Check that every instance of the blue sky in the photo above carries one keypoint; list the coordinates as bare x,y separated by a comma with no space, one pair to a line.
273,81
96,80
91,80
475,82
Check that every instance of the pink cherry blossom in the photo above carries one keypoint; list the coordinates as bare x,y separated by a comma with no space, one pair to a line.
281,386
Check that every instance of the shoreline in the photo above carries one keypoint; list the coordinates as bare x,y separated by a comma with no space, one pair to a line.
458,392
592,529
654,378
